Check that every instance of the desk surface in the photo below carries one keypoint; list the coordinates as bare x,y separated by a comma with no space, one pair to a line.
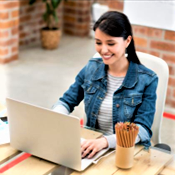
149,162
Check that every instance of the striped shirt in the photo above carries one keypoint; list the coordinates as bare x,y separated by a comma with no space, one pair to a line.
105,120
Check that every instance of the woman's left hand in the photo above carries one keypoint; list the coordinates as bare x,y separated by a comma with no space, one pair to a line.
91,147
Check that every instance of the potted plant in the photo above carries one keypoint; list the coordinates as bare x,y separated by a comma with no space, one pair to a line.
50,35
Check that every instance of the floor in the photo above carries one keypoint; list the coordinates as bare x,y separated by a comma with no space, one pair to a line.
40,77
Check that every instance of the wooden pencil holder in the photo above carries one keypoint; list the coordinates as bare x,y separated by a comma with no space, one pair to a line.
124,157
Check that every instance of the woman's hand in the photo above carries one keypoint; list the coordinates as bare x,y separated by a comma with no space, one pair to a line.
91,147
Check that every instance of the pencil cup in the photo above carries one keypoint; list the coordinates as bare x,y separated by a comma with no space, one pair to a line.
124,157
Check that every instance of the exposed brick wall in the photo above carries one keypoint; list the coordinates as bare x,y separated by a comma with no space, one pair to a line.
77,17
158,42
31,21
9,22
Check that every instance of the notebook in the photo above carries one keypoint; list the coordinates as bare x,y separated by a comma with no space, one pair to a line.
47,134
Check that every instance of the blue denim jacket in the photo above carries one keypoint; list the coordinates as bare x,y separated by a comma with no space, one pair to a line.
133,101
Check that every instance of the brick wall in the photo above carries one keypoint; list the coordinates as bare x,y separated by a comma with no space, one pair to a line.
160,43
9,22
77,17
31,21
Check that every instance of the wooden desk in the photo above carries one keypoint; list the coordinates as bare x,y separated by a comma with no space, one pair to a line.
145,163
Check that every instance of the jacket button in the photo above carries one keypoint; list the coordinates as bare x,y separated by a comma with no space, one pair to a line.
117,105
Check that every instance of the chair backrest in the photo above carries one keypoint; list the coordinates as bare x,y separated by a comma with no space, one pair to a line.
160,67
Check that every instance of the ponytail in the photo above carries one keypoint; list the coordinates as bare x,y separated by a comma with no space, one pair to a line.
132,56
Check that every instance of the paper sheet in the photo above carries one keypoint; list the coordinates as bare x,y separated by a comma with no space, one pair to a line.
4,133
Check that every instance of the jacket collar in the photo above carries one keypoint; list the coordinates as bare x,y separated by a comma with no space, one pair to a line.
130,78
100,72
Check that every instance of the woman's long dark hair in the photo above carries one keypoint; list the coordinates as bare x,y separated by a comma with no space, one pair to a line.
116,24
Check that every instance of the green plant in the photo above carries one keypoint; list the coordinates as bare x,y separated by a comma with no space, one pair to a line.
50,16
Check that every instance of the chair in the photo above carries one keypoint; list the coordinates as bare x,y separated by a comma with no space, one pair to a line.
160,67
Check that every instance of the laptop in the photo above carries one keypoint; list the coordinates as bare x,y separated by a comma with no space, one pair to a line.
47,134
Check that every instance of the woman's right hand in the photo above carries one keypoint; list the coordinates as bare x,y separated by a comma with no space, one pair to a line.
92,146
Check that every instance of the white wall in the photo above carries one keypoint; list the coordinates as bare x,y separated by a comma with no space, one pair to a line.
151,13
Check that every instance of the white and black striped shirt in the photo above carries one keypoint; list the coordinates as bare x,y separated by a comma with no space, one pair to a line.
105,120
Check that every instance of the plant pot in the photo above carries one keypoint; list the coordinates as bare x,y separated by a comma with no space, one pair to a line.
50,38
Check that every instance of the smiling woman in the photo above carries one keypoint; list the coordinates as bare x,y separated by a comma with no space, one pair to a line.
112,51
115,87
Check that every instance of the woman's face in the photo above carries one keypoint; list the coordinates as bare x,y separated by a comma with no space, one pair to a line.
111,49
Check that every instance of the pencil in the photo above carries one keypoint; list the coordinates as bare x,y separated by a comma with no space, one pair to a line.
126,134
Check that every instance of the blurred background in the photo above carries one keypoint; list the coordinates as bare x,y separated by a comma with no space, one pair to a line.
38,61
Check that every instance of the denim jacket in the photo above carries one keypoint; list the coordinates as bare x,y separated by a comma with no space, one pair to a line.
133,101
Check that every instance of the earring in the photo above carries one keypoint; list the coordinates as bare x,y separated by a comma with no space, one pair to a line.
126,54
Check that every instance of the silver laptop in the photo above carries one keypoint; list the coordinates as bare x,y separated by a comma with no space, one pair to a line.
47,134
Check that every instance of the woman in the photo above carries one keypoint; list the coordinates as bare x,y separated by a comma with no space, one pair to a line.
115,87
